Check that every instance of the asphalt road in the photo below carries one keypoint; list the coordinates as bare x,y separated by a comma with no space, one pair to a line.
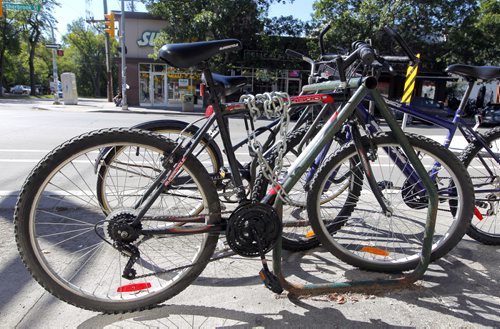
460,290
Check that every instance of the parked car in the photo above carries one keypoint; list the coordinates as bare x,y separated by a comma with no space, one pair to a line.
20,89
490,115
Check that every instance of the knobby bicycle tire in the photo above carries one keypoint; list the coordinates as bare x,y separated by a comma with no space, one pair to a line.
76,265
485,174
208,153
372,240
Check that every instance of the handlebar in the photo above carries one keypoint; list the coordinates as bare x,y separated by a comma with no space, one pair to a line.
361,51
323,32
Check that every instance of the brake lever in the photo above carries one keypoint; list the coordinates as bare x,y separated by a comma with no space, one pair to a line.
385,65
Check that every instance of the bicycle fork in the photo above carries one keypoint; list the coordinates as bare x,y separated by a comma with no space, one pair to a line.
367,169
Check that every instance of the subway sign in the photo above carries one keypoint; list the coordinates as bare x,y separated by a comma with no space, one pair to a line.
147,39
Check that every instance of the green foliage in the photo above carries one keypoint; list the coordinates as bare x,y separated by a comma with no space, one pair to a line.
443,31
85,56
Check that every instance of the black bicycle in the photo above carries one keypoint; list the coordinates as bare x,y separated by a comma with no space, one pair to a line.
168,217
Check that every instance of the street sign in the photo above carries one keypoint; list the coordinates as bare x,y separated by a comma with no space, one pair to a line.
21,6
53,46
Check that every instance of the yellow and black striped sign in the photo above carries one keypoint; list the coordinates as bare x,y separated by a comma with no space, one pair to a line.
411,74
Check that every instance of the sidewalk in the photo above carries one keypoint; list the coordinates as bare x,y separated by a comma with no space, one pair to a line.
102,105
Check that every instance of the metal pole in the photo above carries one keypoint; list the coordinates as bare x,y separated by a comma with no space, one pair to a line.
54,68
124,67
108,59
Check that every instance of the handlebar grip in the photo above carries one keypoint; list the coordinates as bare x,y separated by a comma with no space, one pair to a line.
396,59
401,42
365,52
294,53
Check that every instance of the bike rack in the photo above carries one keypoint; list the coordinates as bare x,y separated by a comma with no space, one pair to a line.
323,288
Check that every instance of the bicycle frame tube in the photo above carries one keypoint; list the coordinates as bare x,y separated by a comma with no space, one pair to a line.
306,159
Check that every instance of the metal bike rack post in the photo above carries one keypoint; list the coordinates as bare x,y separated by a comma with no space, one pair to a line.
418,272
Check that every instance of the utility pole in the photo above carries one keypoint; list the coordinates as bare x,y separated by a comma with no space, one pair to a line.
124,67
54,68
108,59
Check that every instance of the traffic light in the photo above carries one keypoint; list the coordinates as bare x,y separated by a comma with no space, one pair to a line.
110,24
1,8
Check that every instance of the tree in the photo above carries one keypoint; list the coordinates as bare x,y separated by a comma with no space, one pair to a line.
199,20
443,31
10,30
285,26
36,23
86,54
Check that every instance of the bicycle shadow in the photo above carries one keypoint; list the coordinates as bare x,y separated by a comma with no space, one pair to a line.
463,284
191,316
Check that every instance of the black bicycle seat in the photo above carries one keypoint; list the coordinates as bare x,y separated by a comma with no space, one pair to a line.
476,72
184,55
227,85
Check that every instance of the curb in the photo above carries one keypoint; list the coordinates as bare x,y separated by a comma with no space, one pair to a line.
129,111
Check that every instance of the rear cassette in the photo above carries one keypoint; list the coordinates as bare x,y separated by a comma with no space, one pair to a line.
253,229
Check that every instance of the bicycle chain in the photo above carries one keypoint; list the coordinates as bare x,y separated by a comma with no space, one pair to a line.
275,105
227,253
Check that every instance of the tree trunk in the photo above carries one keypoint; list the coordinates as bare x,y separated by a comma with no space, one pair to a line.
32,42
2,65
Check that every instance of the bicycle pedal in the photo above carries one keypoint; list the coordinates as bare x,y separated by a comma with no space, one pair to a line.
270,281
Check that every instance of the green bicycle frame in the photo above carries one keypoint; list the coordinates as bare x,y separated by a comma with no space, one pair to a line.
306,159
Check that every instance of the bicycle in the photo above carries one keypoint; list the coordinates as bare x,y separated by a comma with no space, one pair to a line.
127,260
481,157
209,153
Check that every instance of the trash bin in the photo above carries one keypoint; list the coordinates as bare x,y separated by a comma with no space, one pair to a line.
187,103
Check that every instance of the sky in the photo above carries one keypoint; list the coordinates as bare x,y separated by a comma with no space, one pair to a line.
71,10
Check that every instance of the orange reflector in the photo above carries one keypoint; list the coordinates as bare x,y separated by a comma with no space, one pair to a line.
310,234
478,214
375,251
134,287
262,276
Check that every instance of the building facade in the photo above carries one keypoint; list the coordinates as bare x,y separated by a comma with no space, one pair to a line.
155,84
152,82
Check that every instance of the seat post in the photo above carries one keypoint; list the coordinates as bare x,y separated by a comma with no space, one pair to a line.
224,133
465,98
214,98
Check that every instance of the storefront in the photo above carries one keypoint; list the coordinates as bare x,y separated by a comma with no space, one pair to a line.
152,83
155,84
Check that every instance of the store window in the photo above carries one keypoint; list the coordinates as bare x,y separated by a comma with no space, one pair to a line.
160,84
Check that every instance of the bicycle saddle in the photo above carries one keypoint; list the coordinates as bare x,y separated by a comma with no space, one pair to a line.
477,72
226,85
184,55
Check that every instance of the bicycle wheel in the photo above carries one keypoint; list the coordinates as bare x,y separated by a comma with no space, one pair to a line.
61,230
207,152
370,239
485,174
297,234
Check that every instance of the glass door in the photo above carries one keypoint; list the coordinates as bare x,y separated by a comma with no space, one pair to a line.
144,89
159,87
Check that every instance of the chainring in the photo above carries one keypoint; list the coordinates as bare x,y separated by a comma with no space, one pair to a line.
249,220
